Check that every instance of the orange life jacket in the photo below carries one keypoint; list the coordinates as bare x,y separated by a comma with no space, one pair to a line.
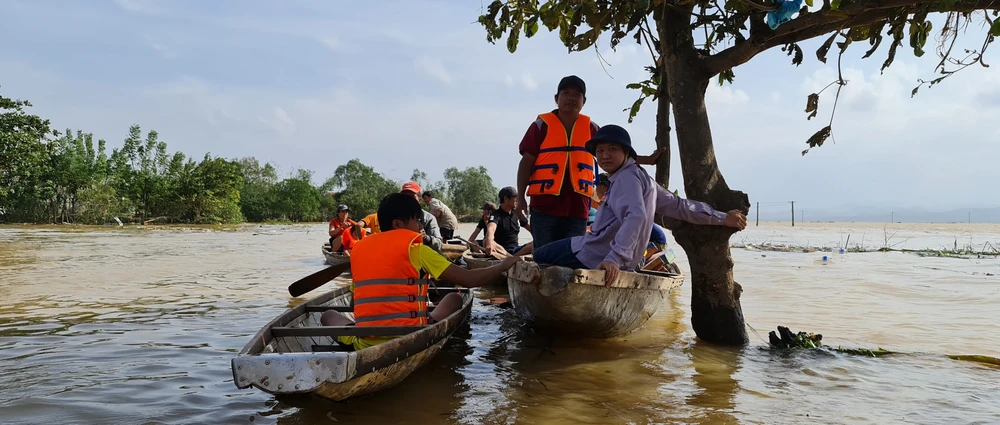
561,155
347,239
388,291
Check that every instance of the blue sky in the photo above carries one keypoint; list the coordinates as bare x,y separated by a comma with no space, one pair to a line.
414,84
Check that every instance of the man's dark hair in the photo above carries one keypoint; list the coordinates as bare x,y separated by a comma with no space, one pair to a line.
428,193
507,192
397,206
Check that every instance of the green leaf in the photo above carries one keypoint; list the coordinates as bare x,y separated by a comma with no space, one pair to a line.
995,29
809,3
531,27
834,4
515,32
726,76
634,110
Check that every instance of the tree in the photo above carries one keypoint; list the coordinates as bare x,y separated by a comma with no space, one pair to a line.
256,196
22,148
296,199
682,66
210,191
359,187
469,189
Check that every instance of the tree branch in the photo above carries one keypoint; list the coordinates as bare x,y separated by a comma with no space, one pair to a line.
815,24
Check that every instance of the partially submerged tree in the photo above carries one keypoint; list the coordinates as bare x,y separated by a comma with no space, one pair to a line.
693,42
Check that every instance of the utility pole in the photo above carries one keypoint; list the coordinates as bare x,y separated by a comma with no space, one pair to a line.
970,217
892,217
758,214
793,213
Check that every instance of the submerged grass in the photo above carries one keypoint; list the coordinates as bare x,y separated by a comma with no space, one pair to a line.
784,339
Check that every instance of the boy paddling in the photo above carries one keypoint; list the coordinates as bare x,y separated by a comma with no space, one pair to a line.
390,271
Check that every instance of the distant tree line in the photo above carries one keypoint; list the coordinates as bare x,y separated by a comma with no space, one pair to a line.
47,176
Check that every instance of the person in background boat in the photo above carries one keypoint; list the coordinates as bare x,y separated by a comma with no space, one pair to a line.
504,227
429,228
488,209
560,198
339,228
446,220
390,271
620,234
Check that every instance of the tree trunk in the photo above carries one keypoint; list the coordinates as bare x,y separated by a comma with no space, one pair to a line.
662,108
716,314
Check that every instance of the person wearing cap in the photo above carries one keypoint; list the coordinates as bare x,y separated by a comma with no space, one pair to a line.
504,227
556,170
338,229
431,233
446,219
487,210
619,236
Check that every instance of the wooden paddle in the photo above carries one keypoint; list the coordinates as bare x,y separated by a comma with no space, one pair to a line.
317,279
496,254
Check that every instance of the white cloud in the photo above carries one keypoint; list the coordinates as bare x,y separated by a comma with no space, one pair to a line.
332,43
529,82
433,68
280,122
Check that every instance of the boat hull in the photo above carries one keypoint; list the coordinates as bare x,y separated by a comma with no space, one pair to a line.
565,302
281,359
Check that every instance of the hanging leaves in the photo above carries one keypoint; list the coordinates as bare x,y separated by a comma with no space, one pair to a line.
726,76
531,27
825,48
795,52
812,105
919,31
817,139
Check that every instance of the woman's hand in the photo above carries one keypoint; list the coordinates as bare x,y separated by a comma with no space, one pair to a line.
736,219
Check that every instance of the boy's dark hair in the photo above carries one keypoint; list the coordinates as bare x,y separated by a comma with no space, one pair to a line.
428,193
397,206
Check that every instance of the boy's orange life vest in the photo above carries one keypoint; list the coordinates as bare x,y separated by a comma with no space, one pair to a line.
561,155
388,291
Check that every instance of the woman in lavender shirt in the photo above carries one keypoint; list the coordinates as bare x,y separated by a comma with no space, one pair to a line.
621,229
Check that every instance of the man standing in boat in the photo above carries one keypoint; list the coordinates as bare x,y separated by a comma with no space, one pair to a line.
622,228
446,219
556,170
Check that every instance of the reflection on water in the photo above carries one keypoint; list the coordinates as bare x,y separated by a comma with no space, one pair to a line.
105,325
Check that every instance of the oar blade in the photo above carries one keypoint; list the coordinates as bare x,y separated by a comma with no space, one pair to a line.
317,279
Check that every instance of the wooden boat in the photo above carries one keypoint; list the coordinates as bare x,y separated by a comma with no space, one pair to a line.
334,258
482,261
563,301
294,354
452,251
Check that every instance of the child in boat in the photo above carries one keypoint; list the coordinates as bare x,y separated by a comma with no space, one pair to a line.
390,271
620,233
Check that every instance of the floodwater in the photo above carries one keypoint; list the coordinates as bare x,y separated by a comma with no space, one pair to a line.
130,326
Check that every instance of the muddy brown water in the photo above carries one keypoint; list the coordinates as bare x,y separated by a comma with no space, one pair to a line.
106,325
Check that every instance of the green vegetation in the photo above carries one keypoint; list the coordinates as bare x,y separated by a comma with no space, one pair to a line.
784,339
52,177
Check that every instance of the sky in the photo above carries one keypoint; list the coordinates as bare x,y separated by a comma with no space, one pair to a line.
413,84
